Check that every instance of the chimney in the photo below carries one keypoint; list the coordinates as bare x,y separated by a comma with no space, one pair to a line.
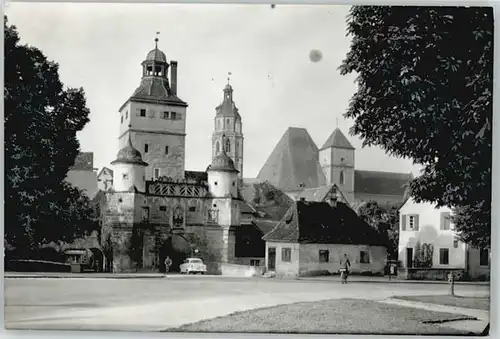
173,77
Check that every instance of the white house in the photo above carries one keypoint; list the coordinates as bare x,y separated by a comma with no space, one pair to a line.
427,224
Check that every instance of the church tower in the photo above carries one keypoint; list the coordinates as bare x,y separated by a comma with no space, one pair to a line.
337,161
227,122
154,118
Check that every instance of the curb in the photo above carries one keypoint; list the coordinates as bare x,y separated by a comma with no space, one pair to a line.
398,281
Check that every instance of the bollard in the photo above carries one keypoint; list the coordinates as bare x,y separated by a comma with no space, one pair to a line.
451,280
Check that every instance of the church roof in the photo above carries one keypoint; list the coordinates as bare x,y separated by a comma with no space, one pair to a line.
384,183
319,223
84,161
337,140
294,161
129,155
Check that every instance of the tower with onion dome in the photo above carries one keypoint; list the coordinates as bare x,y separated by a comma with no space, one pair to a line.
154,118
227,122
223,187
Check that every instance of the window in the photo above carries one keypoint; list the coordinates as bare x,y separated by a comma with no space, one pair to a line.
126,115
227,121
215,183
156,173
455,242
145,213
228,145
166,149
217,148
286,254
122,119
173,115
445,221
125,176
409,221
146,148
254,262
163,212
324,256
166,115
192,209
233,183
364,257
341,181
142,112
444,256
484,257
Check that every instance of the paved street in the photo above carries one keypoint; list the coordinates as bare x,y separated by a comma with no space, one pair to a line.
157,304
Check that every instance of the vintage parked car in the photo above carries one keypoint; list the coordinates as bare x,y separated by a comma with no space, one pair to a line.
193,266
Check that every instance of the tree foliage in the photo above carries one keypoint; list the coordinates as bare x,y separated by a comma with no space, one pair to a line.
425,92
383,219
41,121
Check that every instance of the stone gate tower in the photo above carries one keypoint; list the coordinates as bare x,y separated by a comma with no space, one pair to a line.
227,122
154,118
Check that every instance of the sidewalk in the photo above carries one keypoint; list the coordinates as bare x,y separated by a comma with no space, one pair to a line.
385,280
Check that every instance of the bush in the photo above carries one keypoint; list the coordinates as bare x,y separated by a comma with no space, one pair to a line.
30,265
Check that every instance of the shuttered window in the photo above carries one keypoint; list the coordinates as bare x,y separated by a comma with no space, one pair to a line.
445,221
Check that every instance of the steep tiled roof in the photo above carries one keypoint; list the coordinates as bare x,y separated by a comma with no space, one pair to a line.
294,161
84,161
317,222
337,140
245,207
156,90
266,226
386,183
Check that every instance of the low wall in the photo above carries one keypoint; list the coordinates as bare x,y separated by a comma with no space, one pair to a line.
431,273
234,270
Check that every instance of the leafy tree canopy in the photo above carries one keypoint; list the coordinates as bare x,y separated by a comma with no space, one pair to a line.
41,121
385,220
425,92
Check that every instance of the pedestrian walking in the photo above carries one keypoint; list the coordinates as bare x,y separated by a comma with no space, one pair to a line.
168,263
345,266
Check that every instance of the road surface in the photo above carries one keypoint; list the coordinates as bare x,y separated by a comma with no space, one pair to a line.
158,304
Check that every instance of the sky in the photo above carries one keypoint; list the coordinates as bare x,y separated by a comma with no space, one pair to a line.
267,51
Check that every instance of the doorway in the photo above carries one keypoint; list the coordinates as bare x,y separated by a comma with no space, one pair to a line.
409,257
271,258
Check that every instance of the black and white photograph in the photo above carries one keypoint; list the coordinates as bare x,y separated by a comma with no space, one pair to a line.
248,168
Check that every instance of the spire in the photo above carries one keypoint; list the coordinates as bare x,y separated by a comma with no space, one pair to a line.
156,40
